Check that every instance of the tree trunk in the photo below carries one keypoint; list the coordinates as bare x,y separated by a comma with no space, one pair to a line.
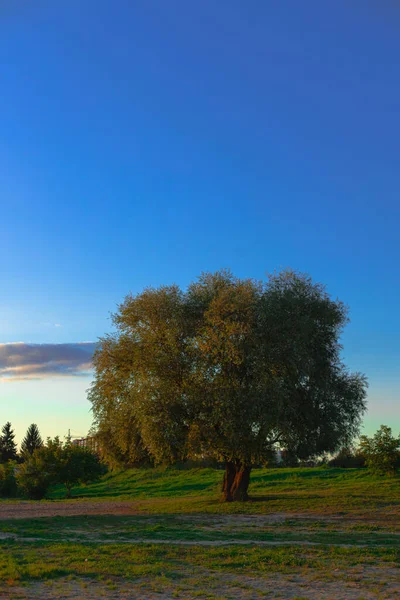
236,482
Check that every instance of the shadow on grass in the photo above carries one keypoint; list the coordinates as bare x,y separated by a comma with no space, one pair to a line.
254,498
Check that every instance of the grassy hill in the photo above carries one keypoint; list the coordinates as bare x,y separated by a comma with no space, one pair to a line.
322,490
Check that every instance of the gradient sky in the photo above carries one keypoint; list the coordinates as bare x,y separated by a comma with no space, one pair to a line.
144,142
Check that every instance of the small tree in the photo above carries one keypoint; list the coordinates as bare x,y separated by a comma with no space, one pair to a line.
32,440
40,470
78,465
8,447
32,477
381,452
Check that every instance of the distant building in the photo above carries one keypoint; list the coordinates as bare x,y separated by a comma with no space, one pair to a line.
89,442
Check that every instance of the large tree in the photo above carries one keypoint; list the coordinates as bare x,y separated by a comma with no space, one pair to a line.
231,368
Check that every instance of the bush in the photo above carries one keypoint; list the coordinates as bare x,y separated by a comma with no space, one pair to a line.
78,465
381,452
37,474
8,483
54,463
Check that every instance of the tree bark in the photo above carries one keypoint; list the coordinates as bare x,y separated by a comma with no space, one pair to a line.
236,482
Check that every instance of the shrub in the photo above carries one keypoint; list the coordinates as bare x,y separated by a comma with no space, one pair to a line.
381,452
78,465
37,474
54,463
347,458
8,483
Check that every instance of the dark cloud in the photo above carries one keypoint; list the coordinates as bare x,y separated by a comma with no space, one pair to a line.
38,361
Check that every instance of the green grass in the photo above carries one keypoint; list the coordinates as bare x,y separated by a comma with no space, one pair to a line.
183,528
148,483
18,562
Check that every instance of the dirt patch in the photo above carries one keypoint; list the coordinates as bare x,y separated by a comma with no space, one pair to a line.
34,510
65,508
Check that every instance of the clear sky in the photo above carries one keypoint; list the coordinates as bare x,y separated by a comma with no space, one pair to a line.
144,142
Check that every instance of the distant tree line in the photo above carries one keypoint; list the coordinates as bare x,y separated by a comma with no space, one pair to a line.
379,453
41,465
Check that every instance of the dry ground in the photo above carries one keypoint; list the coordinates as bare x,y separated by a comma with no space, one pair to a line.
68,508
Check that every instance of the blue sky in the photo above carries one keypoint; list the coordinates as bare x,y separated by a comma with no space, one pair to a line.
144,142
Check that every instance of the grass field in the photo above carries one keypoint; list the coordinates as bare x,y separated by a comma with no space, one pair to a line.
306,534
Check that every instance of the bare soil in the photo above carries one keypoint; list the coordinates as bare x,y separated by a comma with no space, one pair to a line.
45,508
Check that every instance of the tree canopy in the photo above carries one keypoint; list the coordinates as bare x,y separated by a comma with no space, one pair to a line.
230,368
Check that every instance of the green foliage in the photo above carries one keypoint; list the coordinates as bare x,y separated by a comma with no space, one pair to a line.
32,440
288,459
33,478
40,470
57,463
382,451
120,443
8,447
347,458
78,465
8,483
231,369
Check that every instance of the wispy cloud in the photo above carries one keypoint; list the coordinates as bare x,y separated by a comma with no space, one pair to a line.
19,360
